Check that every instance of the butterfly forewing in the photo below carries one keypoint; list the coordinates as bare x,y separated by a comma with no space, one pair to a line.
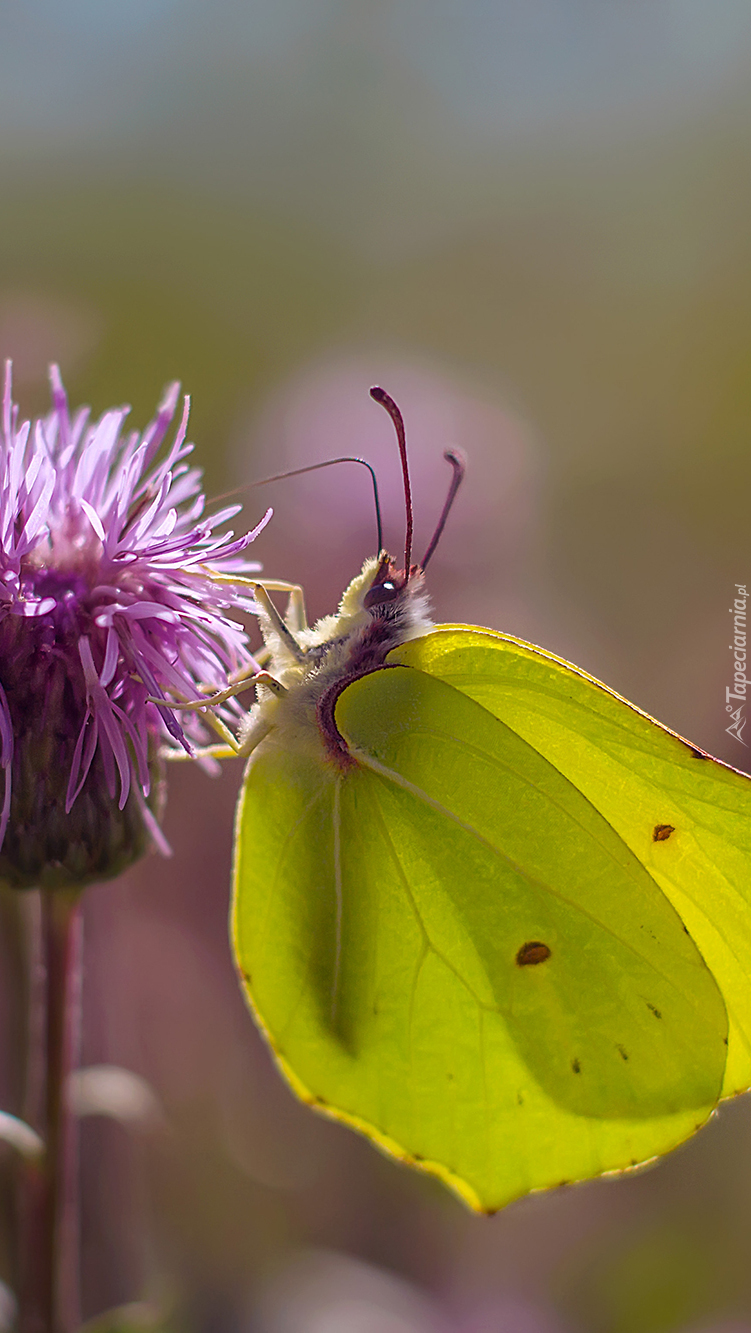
685,816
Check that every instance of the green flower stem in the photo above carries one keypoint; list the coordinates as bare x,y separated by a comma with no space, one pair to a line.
50,1290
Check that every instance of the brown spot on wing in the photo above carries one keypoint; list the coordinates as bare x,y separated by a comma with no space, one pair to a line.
531,953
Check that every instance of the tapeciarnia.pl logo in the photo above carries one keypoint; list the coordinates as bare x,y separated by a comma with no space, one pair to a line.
737,693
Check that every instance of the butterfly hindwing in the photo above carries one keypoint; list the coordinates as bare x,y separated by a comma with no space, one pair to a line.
451,948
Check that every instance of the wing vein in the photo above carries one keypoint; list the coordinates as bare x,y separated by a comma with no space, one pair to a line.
390,775
508,768
418,915
337,823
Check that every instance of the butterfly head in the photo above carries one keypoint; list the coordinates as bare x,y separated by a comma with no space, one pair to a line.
383,603
388,587
384,606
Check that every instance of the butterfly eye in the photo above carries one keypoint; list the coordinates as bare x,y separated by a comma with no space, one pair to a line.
379,593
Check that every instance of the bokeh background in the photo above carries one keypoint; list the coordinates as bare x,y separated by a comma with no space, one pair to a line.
530,220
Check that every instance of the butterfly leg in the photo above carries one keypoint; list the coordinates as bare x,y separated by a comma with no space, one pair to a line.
227,750
276,625
252,732
175,756
295,618
231,747
242,580
213,700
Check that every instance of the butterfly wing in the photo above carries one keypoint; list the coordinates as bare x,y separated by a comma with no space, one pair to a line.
451,949
684,815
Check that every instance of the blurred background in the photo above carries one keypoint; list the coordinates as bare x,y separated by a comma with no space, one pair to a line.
529,220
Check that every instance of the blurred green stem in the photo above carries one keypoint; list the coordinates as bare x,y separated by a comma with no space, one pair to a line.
49,1259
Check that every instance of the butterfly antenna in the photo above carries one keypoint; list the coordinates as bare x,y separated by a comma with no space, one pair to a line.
329,462
459,464
229,495
380,396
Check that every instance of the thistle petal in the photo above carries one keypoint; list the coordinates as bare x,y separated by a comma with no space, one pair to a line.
105,600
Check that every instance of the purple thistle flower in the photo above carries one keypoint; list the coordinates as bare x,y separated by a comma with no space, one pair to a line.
106,599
